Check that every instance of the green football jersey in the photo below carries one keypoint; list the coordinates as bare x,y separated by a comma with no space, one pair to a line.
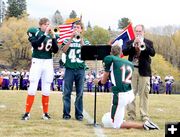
41,44
73,55
120,72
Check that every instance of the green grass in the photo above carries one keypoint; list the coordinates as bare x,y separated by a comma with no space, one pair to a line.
162,108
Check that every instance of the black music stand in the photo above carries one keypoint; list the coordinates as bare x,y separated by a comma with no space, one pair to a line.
95,52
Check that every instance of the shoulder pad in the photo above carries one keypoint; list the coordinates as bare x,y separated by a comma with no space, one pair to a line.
65,41
86,41
32,31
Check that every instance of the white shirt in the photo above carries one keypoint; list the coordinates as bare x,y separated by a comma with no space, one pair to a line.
5,74
169,79
90,78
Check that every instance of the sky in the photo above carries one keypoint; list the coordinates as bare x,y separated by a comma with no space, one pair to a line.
105,13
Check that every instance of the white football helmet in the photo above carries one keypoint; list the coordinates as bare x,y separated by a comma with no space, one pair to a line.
107,121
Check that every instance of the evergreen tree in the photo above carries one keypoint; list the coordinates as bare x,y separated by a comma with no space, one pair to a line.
89,25
73,14
57,19
109,29
16,8
123,22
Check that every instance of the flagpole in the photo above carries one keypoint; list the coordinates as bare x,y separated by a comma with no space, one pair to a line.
95,91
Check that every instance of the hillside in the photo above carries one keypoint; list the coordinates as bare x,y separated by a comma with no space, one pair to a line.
163,67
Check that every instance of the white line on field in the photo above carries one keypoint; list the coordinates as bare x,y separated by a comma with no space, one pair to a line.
2,106
160,109
98,130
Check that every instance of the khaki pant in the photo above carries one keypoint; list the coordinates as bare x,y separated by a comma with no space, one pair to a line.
141,86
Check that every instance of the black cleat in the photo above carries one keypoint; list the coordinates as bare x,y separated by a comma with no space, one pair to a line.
26,116
46,116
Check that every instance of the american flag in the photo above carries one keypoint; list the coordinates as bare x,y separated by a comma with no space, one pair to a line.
126,35
64,32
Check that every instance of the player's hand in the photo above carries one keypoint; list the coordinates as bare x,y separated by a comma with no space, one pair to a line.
73,35
48,30
96,81
52,33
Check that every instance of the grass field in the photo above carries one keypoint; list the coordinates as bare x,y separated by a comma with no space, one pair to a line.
162,108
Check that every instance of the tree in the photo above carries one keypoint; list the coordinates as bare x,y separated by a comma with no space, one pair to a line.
16,8
176,53
176,37
73,14
166,46
123,22
97,35
89,25
14,34
57,19
109,29
2,10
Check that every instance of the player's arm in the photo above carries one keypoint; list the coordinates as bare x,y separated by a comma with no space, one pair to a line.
103,80
54,47
172,80
54,38
67,42
107,67
104,77
35,41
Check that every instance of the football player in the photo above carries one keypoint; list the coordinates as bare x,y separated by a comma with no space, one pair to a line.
15,76
169,80
89,79
120,71
44,43
6,76
74,72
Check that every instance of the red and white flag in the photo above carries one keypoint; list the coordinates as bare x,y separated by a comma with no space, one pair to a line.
65,32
